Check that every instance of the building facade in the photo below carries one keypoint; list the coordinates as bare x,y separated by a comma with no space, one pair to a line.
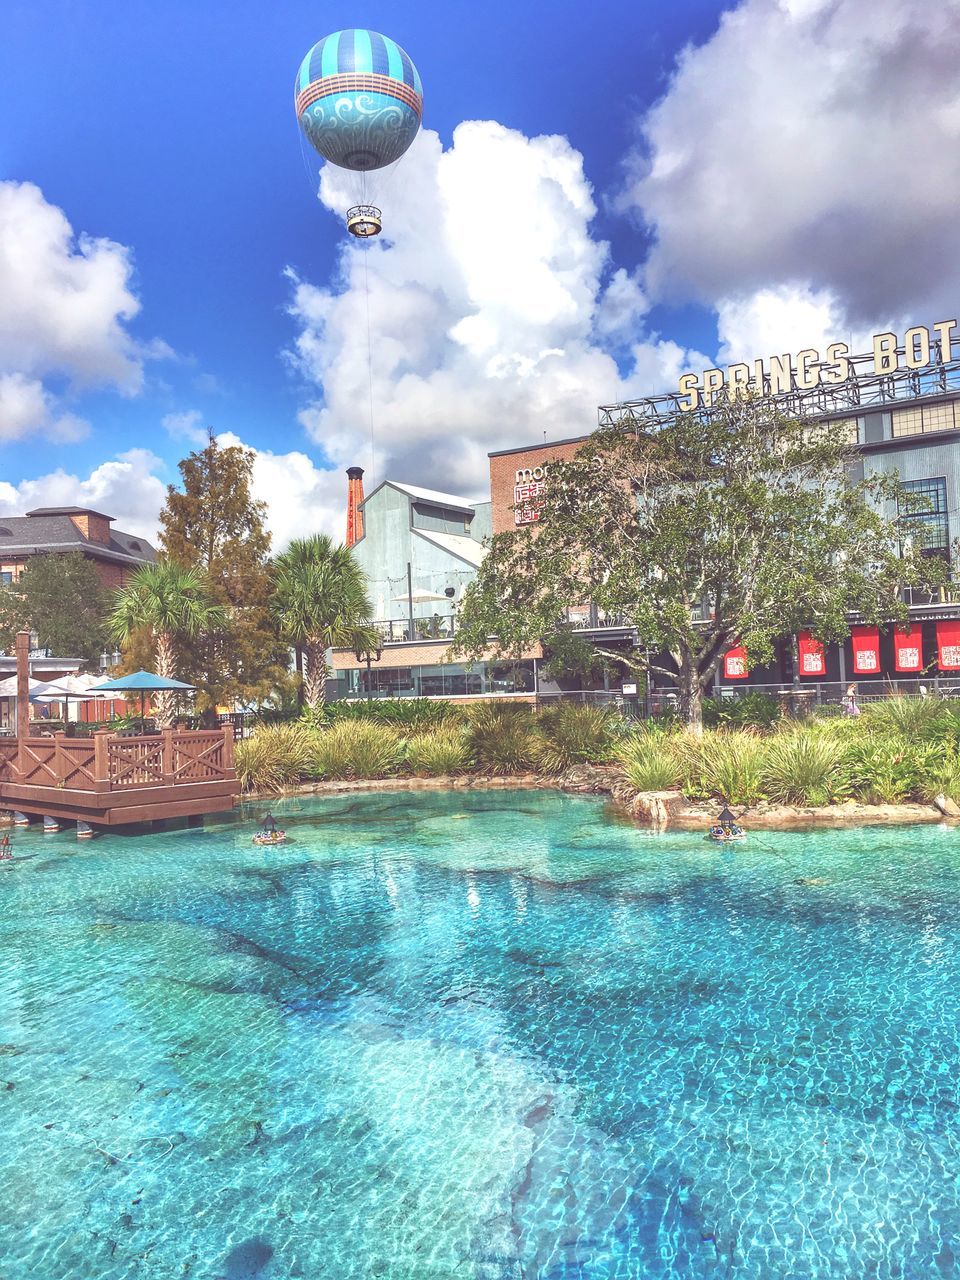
50,530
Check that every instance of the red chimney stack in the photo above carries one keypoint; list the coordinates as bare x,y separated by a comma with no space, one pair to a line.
354,499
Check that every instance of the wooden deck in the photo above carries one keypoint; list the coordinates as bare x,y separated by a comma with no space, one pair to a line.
110,779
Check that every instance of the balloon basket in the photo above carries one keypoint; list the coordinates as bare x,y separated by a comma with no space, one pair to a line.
364,221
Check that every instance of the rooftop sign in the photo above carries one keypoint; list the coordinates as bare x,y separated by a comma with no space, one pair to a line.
808,369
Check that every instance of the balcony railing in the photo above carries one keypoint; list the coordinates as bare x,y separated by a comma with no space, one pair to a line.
437,627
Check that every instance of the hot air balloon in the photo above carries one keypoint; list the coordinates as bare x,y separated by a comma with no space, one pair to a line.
359,101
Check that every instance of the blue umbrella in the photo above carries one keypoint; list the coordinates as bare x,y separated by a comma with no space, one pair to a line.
139,682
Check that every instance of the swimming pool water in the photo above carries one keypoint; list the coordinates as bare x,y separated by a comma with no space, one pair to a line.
483,1036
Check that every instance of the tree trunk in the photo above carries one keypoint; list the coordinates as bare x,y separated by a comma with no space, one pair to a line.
163,701
298,654
690,696
315,681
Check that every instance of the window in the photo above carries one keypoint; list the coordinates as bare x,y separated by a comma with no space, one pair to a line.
6,577
927,417
845,429
923,514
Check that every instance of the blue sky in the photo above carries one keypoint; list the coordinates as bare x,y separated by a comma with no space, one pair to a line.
169,130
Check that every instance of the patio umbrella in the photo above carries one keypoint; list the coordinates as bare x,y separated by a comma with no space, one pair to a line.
142,682
419,597
8,688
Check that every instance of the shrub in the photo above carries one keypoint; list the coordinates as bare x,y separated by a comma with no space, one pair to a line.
915,719
275,757
886,771
726,765
357,749
438,752
802,768
755,710
412,714
571,734
649,762
501,736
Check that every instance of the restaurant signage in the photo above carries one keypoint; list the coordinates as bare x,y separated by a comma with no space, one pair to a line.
813,661
948,645
809,369
908,648
735,664
528,491
866,650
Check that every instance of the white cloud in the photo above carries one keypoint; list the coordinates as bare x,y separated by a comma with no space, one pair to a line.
126,487
783,318
490,313
186,425
811,145
301,498
65,302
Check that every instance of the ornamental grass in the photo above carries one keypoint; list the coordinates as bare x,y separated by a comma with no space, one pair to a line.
357,749
439,752
573,733
802,768
275,757
649,761
501,737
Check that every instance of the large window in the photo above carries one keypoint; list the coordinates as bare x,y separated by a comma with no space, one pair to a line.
440,681
924,418
923,513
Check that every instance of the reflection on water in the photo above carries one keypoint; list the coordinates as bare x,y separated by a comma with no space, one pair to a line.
490,1036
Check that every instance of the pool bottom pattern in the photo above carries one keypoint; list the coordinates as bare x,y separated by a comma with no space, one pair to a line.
499,1036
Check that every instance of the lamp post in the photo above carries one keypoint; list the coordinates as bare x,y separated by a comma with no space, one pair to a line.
372,654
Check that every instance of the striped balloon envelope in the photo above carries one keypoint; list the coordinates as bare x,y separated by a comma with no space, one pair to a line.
359,99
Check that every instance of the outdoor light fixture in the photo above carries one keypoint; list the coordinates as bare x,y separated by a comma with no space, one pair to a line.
371,655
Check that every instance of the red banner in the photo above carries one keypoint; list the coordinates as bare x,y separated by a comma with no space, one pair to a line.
908,648
948,646
813,661
735,664
866,650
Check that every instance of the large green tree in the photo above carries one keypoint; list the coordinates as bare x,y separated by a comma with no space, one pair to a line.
213,524
174,606
59,596
701,535
320,601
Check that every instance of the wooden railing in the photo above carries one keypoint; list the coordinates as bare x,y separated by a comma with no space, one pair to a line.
111,762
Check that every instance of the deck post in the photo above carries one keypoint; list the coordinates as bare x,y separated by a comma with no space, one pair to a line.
167,766
22,651
59,762
228,738
101,760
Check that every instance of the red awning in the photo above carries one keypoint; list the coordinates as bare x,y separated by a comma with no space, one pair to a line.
813,661
908,648
866,650
948,645
735,664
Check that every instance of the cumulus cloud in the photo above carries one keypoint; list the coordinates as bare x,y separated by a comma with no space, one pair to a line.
492,316
65,303
301,498
127,487
812,148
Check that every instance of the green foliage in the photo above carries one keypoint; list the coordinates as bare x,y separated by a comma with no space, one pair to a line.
723,765
274,757
748,710
60,597
570,734
501,737
216,527
410,714
357,749
439,752
915,719
649,762
887,771
803,768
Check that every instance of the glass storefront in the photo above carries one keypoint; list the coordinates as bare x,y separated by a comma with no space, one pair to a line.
450,680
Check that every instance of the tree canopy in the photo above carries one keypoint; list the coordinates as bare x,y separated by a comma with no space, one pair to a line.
216,526
701,535
60,598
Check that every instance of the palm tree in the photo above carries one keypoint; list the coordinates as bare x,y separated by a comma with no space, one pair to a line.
320,602
168,601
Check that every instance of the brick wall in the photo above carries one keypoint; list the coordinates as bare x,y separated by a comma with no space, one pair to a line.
408,655
503,476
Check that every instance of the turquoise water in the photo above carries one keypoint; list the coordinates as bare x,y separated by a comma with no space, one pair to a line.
485,1036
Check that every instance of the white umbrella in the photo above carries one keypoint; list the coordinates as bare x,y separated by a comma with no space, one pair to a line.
8,688
419,597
